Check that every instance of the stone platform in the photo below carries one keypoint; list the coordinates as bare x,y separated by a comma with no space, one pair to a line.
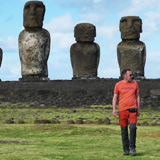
74,93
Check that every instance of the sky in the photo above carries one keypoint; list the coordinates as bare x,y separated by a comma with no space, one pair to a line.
61,16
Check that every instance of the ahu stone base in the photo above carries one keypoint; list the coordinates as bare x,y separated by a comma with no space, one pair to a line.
74,93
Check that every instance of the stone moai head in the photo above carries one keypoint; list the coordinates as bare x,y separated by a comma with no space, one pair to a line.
130,27
85,32
33,14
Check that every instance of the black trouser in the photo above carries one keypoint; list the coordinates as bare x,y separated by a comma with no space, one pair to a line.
125,141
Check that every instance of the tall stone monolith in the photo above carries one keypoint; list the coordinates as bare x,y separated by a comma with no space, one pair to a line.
131,52
85,53
34,43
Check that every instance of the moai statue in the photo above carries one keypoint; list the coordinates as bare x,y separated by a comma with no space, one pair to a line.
85,53
131,52
34,43
1,55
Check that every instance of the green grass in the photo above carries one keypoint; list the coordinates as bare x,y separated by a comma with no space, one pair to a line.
73,142
92,113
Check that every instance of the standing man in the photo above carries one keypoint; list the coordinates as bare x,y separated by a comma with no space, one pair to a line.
129,109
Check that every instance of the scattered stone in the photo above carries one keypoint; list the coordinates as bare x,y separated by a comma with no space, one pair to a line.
99,121
21,121
74,111
116,123
88,122
153,124
79,121
138,124
55,121
144,123
42,121
10,121
70,122
107,120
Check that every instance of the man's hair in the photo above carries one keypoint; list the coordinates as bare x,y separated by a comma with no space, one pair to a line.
124,72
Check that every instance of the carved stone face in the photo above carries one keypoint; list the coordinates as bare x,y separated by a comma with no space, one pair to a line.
33,14
84,32
130,27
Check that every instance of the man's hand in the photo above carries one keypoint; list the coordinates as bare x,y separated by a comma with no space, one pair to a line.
138,112
114,113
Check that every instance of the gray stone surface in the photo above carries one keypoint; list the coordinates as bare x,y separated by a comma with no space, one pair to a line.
73,93
131,52
34,43
85,53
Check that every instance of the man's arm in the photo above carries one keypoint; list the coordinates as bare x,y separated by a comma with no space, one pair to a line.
138,103
114,102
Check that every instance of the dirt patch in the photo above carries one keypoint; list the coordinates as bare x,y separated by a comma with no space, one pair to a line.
152,136
12,142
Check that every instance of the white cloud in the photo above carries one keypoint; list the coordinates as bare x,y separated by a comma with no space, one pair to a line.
9,44
10,69
59,67
61,30
109,72
152,57
97,1
151,24
61,42
60,24
138,6
91,17
107,31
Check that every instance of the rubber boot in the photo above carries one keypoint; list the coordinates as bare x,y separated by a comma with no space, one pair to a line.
132,142
125,141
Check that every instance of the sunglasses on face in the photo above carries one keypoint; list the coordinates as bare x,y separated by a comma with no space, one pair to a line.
131,75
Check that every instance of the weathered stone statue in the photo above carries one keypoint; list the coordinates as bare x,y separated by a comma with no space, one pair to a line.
131,52
85,53
34,43
1,55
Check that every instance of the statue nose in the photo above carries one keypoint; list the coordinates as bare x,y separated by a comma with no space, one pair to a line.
130,24
32,10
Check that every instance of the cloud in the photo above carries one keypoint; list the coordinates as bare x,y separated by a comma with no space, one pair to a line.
10,69
9,44
137,6
151,24
60,24
61,30
61,42
59,67
109,72
97,1
152,57
91,17
107,31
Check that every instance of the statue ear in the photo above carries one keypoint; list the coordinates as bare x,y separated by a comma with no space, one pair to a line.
141,29
94,31
141,26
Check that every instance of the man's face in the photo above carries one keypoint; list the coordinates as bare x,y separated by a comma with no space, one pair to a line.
128,76
33,14
130,27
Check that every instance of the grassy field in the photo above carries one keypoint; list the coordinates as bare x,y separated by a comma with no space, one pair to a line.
90,113
94,141
73,142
